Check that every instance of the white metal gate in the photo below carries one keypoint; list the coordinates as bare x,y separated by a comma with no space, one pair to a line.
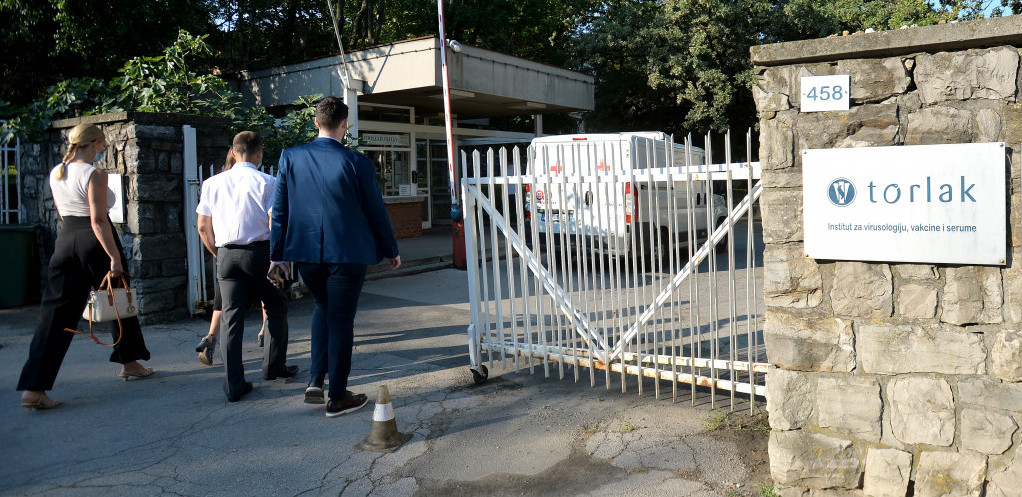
10,195
566,283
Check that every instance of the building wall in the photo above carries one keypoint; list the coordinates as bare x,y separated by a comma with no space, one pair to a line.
406,216
892,379
147,150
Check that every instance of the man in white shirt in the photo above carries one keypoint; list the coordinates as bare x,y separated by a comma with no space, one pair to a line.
234,226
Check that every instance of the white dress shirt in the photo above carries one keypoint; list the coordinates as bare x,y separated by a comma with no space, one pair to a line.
238,201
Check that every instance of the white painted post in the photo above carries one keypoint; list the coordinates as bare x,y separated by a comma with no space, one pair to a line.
196,265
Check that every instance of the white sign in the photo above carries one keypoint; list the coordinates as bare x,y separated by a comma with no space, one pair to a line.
924,203
378,139
825,93
113,184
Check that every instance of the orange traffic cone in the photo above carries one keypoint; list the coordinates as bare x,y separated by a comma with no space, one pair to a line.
383,436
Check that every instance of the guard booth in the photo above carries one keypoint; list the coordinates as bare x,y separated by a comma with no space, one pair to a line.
397,108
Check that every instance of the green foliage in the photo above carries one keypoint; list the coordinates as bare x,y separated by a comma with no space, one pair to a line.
43,42
672,65
164,83
726,420
296,127
811,18
1008,7
767,490
167,83
683,65
260,33
717,420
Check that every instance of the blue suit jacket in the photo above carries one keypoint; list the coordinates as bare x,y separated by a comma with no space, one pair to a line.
328,209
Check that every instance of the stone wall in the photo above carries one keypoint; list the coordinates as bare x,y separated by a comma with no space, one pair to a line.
892,379
147,150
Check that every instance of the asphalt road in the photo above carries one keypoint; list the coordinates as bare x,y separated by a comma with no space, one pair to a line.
520,433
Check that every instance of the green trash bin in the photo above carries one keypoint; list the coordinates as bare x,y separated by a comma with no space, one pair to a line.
19,250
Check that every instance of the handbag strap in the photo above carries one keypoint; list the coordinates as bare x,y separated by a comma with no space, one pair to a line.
107,283
117,313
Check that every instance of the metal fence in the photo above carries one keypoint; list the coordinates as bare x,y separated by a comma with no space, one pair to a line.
640,257
10,195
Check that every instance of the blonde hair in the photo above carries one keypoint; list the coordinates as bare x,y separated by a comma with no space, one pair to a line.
80,136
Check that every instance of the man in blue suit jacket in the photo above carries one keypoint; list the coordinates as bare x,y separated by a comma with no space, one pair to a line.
329,218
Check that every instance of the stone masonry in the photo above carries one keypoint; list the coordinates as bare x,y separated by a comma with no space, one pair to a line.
892,379
147,150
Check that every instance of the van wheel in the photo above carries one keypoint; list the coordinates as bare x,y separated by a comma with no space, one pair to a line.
722,244
662,251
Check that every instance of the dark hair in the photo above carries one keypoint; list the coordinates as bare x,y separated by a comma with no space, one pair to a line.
331,112
247,143
229,161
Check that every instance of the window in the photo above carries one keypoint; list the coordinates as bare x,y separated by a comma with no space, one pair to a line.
384,113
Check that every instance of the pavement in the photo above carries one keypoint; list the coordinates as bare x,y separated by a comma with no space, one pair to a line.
519,433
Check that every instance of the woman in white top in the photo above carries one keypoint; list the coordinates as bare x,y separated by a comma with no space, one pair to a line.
85,251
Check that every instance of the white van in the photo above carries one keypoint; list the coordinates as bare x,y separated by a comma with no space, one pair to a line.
595,189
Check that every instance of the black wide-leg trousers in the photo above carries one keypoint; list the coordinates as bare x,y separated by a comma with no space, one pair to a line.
78,265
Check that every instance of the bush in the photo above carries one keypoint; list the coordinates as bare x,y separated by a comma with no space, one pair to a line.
164,83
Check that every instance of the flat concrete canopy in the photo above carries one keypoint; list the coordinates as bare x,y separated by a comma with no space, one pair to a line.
484,83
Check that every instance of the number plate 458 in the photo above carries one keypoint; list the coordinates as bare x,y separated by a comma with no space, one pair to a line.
825,93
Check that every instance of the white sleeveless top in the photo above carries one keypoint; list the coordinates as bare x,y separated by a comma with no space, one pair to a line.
71,194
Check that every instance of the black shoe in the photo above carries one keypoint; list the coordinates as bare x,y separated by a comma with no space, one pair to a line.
314,392
351,402
284,372
244,390
205,342
206,351
259,339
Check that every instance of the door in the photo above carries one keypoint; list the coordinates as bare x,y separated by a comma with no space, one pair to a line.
420,176
439,183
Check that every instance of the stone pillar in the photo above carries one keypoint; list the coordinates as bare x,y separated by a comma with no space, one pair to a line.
890,376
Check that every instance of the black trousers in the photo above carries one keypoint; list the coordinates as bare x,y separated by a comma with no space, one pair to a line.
78,265
335,288
241,274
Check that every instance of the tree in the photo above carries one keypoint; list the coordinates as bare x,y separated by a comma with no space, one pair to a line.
25,42
683,65
47,41
250,34
1009,7
671,65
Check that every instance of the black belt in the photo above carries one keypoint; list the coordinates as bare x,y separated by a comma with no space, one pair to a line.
257,244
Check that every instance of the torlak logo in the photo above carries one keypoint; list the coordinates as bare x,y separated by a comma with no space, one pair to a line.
841,192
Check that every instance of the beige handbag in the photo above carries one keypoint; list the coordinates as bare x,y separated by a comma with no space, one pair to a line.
108,304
